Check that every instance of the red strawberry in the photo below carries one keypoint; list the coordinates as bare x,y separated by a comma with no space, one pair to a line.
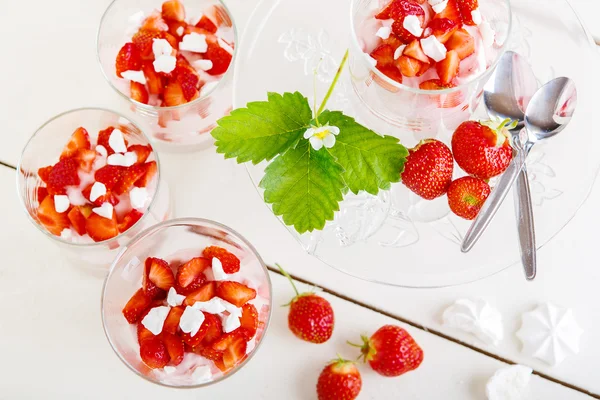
129,177
142,152
220,58
311,317
129,220
103,137
462,43
235,293
100,228
415,51
399,9
391,351
44,173
190,276
173,94
385,12
482,149
428,169
466,196
447,69
173,41
231,264
249,321
109,175
80,139
158,278
409,66
86,159
42,192
78,219
153,79
173,10
177,28
392,72
424,68
206,24
209,353
213,330
128,59
171,324
466,8
142,332
64,173
339,380
443,28
194,341
206,292
138,92
151,170
384,55
136,306
154,353
53,221
451,12
444,101
175,348
190,83
106,198
155,22
143,40
235,351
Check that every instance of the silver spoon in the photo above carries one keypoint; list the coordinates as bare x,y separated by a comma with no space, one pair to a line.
506,95
548,113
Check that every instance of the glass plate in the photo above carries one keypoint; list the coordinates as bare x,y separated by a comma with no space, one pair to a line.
395,238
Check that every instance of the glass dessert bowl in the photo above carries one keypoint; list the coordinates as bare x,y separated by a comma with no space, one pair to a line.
172,61
90,180
186,303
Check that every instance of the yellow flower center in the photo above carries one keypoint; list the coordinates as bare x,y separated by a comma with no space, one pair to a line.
321,135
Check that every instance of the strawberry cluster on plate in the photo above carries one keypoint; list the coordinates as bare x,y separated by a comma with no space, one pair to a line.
420,37
168,61
481,149
196,308
80,195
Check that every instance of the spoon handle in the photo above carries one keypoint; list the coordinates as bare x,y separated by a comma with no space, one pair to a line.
493,202
526,227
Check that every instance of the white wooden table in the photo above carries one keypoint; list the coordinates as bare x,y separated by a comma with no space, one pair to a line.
51,339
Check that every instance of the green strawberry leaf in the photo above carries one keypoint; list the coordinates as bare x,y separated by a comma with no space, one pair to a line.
263,129
371,161
304,186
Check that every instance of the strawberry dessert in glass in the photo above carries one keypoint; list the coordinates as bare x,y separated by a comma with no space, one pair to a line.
90,180
173,62
187,303
421,64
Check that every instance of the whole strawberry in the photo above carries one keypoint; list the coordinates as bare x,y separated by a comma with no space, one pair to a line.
391,351
311,316
428,169
482,149
340,380
466,196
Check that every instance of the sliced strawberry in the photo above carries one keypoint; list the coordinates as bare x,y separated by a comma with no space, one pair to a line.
173,41
399,9
235,353
138,92
54,222
100,228
173,10
86,159
402,33
153,80
80,139
447,69
103,137
42,192
143,40
175,348
208,352
136,306
392,72
466,8
151,170
190,83
77,219
220,58
190,275
129,177
451,12
154,353
206,292
424,68
173,94
415,51
44,173
63,174
409,66
128,59
445,101
195,340
142,152
249,321
129,220
231,264
385,12
177,28
443,28
160,274
235,293
206,24
226,340
384,55
435,84
109,175
462,43
171,324
109,197
155,22
213,330
143,333
148,285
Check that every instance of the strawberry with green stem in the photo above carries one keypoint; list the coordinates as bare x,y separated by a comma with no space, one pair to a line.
311,317
339,380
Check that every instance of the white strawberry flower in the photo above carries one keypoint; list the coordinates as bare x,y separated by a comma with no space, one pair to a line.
320,136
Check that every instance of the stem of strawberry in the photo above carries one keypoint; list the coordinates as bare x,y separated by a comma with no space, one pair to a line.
289,278
333,84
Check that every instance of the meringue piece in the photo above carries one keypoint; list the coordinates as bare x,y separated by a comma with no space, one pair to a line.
155,319
66,234
213,306
98,189
164,64
61,203
203,65
174,299
217,269
399,51
413,25
384,32
116,141
201,374
161,47
433,48
169,369
439,6
231,309
550,333
123,160
195,42
180,31
488,34
138,197
230,323
476,16
101,150
477,317
191,320
105,210
134,76
509,383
